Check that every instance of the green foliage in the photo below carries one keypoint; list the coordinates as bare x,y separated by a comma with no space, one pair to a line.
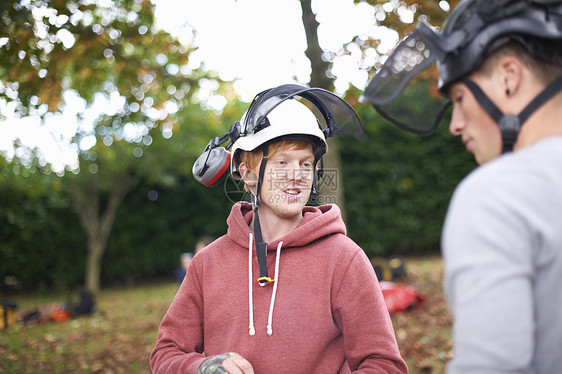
101,53
160,220
162,217
390,13
90,48
157,223
398,184
41,243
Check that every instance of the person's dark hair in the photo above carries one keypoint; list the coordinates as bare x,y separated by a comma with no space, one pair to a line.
545,71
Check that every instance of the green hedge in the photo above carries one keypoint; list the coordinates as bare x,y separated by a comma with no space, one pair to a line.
150,234
41,242
397,188
398,185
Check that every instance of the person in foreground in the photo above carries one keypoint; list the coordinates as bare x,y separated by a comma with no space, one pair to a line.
323,310
500,62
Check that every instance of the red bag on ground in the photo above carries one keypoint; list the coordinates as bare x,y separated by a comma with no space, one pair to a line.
59,314
399,297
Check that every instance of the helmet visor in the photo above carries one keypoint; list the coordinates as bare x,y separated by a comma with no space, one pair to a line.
337,115
416,107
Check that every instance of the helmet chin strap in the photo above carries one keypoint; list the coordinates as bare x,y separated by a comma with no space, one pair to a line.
261,246
510,124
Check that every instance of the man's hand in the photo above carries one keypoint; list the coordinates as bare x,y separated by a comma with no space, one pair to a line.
231,363
237,364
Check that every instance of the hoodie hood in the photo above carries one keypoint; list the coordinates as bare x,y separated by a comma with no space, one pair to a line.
317,222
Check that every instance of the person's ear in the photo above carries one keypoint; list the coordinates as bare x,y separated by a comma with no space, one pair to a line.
511,73
249,176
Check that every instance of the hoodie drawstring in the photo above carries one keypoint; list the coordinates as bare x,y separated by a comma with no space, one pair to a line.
270,317
250,288
251,296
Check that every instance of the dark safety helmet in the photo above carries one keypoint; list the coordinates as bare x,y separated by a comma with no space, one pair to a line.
474,30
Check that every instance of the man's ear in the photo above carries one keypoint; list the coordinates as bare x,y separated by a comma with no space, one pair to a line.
249,176
511,72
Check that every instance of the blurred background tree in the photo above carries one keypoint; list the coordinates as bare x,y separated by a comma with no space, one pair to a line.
99,54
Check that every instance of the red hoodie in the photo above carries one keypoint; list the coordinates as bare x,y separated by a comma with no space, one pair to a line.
325,315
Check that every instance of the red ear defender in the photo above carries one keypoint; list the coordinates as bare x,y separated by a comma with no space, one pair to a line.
212,167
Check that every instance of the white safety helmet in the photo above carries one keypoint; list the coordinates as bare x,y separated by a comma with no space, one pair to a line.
289,120
273,114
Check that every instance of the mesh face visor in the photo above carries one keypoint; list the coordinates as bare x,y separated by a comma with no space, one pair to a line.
339,117
416,107
403,90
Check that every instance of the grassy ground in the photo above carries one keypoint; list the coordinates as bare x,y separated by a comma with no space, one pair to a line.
424,334
120,337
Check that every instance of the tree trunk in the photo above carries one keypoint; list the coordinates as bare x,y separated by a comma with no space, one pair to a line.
93,267
98,227
319,75
331,187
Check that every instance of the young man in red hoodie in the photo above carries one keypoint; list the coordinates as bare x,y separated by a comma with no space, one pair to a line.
323,311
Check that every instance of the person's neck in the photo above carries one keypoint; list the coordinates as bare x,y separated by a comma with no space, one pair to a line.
274,227
544,123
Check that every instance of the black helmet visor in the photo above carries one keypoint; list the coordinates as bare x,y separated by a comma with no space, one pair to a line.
474,29
416,108
339,117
